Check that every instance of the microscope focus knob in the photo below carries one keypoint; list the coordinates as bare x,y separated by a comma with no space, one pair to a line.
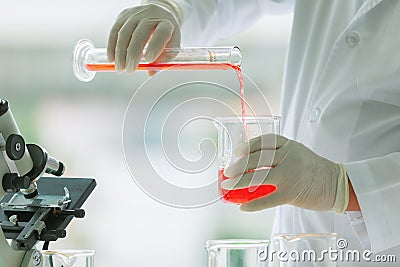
15,146
13,183
78,213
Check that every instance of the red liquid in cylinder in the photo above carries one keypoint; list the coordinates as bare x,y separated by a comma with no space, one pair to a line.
163,66
243,195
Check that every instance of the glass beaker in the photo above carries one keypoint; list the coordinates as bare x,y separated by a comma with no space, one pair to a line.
67,258
237,253
231,133
301,250
87,59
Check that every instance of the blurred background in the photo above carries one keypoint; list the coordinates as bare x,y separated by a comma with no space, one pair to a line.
81,125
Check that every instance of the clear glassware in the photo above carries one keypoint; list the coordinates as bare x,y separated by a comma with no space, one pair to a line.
67,258
237,253
231,133
301,250
87,59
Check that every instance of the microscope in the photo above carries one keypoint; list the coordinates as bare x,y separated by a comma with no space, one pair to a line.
33,207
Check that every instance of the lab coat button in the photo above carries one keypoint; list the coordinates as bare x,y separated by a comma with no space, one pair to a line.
315,114
352,39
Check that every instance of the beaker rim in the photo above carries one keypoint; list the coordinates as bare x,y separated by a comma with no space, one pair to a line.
249,119
296,236
69,252
234,243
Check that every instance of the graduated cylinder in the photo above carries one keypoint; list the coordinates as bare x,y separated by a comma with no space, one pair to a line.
88,59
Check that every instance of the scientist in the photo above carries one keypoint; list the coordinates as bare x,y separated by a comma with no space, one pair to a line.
338,167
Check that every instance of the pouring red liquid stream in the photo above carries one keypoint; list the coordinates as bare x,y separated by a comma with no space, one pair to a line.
237,196
184,66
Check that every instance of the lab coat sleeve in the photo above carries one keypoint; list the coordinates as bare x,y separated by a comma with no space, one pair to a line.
205,21
376,183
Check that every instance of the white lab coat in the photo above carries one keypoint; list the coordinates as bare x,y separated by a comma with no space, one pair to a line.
341,98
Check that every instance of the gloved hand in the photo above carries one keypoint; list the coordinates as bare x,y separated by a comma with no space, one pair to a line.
156,23
303,178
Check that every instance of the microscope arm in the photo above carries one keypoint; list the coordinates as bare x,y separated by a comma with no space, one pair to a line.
17,258
11,257
8,256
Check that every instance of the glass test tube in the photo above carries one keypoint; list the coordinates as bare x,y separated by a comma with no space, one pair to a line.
88,59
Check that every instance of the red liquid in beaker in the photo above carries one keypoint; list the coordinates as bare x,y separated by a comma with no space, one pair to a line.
243,195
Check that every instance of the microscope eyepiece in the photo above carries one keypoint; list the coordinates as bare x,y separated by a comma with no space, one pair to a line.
55,171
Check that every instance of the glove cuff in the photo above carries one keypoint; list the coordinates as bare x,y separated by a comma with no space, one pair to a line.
171,6
342,191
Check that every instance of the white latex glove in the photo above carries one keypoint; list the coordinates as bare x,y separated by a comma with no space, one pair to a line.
156,23
303,178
